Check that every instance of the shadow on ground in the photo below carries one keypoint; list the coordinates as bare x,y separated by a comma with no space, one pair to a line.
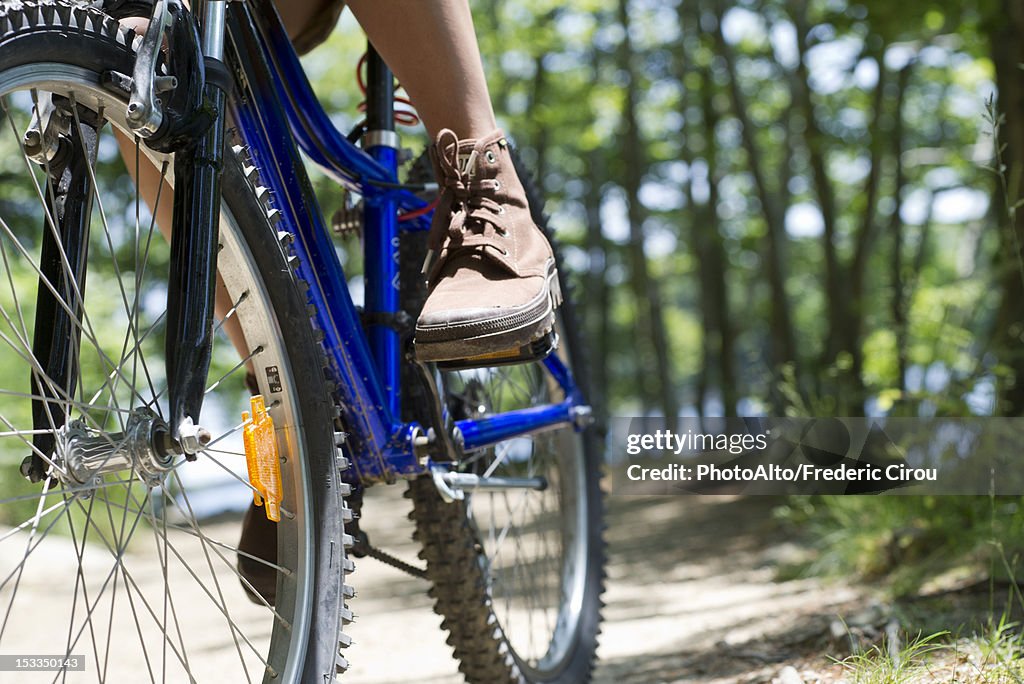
693,594
692,597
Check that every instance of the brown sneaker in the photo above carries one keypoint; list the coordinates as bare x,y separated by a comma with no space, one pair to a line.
490,270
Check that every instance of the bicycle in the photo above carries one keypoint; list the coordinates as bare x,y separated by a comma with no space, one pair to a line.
102,385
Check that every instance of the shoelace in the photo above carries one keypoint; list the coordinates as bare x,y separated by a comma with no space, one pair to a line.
477,217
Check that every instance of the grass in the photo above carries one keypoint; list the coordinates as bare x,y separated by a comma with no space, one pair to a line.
947,565
890,663
994,657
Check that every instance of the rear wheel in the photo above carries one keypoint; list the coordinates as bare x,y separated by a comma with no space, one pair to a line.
136,570
517,574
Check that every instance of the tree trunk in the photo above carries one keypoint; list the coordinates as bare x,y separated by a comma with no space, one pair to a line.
596,304
714,263
783,345
900,291
863,242
540,138
817,150
1006,29
645,289
717,367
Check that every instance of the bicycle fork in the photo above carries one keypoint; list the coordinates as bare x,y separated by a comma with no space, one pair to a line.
63,142
194,246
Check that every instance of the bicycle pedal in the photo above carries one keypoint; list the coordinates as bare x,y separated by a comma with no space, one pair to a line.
535,351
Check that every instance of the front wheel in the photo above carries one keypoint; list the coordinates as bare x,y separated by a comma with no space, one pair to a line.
130,572
518,575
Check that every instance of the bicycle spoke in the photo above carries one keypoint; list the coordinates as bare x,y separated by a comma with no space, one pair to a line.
128,578
80,582
21,566
143,259
240,364
103,220
218,605
134,352
91,607
223,606
110,247
85,329
79,302
231,312
214,544
122,543
162,548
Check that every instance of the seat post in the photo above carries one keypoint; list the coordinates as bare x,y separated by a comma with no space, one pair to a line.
381,240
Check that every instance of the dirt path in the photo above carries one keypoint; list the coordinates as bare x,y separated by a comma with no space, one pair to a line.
692,597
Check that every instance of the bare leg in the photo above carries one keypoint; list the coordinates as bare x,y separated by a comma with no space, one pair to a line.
432,48
481,300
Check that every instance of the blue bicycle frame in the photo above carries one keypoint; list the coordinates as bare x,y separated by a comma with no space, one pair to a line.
277,109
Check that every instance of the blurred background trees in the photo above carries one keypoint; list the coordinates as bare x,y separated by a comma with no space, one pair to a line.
774,206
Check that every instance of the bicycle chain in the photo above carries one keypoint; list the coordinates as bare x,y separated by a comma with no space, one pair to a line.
362,548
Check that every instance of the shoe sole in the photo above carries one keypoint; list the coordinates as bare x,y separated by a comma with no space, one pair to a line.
535,351
468,347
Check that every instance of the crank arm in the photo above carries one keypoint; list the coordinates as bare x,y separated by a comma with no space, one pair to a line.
443,439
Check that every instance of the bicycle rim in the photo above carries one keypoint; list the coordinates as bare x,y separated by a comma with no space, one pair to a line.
534,545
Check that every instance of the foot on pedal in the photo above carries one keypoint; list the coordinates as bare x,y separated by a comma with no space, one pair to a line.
493,284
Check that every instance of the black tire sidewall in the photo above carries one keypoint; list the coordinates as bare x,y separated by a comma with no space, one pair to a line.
316,410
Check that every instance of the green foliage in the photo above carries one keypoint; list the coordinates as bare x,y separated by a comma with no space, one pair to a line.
559,88
909,540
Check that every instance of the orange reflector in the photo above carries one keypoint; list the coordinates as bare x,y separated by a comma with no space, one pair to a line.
261,458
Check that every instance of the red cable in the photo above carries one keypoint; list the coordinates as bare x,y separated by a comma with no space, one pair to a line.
403,117
416,213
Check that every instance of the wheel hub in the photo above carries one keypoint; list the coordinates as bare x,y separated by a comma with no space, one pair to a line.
84,454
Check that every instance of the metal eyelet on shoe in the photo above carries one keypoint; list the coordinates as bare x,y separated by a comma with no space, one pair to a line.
497,185
489,156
